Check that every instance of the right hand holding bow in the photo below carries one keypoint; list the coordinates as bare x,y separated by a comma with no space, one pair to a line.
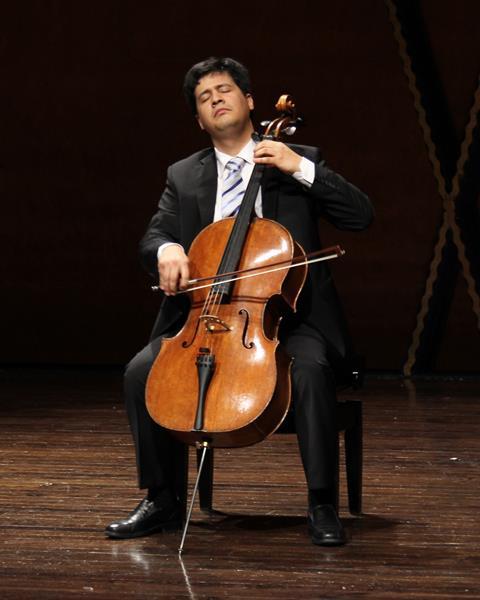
173,270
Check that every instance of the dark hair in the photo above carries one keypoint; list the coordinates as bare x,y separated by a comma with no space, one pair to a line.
236,70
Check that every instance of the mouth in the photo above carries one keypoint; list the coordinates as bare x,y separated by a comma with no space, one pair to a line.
220,111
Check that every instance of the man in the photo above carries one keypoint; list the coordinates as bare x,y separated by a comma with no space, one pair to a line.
297,189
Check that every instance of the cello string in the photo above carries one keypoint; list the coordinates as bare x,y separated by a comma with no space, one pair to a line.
211,300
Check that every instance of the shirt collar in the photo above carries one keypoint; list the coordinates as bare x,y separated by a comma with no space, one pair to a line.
246,153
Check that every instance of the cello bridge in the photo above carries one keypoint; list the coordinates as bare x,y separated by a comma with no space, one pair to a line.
214,324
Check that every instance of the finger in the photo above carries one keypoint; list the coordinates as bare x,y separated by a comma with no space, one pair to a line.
159,271
265,156
259,147
164,272
266,160
184,275
173,279
163,279
166,278
161,276
263,151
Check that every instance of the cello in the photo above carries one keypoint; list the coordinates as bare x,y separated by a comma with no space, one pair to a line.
224,379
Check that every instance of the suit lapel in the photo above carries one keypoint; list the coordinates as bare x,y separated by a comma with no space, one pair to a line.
206,178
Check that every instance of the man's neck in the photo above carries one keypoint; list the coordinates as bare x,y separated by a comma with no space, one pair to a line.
233,145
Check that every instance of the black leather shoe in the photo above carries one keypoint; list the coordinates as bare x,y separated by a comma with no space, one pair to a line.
148,517
325,526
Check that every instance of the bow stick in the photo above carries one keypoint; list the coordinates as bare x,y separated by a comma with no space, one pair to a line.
313,257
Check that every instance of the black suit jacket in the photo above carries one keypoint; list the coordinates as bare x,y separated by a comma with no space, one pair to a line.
187,206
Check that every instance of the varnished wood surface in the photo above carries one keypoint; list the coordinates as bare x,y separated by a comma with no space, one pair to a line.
67,470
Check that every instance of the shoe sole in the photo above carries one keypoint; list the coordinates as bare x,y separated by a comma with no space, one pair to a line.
318,542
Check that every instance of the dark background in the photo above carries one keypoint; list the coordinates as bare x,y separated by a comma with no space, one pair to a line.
91,114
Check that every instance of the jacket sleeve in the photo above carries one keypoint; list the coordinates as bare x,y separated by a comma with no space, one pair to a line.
163,227
340,202
336,200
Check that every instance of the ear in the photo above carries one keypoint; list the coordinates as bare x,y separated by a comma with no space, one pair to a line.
200,123
250,102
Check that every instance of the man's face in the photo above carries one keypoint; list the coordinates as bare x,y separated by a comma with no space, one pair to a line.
222,107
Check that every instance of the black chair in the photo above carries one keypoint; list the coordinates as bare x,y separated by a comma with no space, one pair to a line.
349,422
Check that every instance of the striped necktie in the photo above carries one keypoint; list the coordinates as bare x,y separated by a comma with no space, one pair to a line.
233,187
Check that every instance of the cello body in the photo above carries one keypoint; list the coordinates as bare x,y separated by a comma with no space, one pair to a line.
224,379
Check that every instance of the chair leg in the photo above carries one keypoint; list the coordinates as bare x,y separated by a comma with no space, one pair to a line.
354,459
337,477
205,486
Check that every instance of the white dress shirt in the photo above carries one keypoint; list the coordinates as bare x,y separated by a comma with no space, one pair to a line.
305,176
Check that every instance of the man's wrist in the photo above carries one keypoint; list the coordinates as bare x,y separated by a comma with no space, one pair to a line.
166,245
306,172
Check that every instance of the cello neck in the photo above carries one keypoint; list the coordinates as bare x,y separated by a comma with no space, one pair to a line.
233,250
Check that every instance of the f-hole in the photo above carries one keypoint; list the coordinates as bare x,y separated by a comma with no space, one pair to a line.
186,343
247,345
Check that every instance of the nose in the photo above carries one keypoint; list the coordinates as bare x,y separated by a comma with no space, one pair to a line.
216,98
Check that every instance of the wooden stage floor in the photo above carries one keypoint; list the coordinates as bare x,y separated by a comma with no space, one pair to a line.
67,469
